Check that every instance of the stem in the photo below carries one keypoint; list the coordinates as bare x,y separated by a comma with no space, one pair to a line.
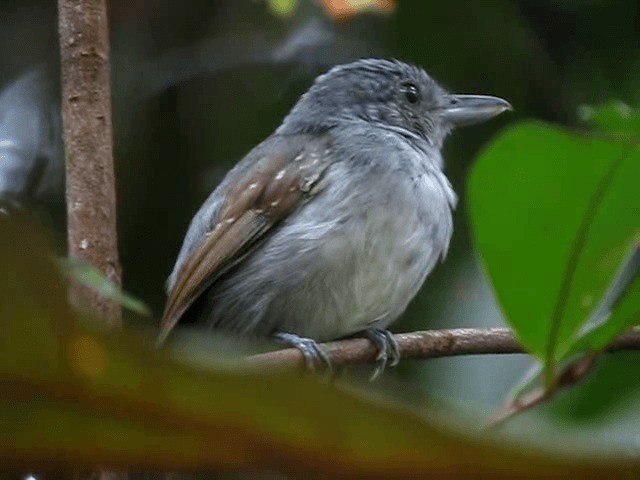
88,135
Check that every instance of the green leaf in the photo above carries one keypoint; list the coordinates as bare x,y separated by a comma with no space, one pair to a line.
554,214
93,278
283,8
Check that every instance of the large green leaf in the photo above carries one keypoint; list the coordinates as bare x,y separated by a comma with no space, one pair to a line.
554,214
619,306
74,398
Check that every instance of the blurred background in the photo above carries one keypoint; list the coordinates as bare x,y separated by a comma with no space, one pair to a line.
197,85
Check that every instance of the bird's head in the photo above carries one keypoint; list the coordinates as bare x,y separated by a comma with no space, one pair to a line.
391,94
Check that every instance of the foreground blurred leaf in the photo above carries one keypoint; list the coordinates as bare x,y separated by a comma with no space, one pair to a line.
554,215
34,315
283,8
73,398
89,276
345,9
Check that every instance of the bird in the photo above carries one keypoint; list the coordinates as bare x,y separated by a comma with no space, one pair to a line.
329,227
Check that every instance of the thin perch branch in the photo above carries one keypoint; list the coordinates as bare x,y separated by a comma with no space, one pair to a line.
425,344
88,138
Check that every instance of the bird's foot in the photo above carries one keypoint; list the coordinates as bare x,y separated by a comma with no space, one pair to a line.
388,349
315,358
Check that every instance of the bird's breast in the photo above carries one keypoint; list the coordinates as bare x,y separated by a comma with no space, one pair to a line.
366,249
351,257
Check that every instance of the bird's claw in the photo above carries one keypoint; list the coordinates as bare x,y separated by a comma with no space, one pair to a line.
388,350
315,358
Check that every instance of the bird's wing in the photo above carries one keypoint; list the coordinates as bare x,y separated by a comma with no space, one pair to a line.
285,174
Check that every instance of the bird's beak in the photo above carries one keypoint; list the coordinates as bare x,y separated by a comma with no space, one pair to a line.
465,110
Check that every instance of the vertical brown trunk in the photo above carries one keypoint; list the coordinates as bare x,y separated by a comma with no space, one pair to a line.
86,110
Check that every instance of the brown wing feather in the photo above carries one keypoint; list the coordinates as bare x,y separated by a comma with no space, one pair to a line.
212,258
269,191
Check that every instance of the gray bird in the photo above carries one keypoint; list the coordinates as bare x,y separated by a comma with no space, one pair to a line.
330,226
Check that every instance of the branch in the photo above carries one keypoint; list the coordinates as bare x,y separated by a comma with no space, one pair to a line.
425,344
88,138
86,112
572,374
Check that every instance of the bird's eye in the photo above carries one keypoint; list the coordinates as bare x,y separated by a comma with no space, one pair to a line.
411,92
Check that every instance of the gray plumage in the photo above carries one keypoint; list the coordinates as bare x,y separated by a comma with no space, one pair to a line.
356,247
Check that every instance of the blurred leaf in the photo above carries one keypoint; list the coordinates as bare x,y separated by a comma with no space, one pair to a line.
30,283
614,117
344,9
89,276
554,214
71,398
283,8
